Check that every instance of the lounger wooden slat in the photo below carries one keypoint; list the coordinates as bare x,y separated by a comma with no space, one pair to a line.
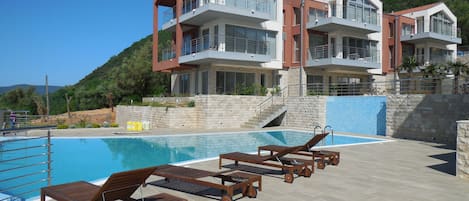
277,160
196,176
321,155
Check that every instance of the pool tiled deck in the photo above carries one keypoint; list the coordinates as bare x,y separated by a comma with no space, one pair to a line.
401,170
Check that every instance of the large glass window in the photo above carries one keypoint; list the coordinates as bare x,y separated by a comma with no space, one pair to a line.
360,49
407,29
316,14
441,24
440,55
361,11
234,82
184,84
252,41
314,84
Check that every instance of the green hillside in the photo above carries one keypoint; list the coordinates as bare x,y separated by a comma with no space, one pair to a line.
125,77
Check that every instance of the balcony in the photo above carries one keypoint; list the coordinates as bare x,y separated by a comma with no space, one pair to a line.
434,59
431,37
352,57
199,12
204,50
353,24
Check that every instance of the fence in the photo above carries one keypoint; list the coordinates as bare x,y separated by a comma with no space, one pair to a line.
401,86
25,165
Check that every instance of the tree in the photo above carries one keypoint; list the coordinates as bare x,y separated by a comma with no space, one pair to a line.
68,99
458,69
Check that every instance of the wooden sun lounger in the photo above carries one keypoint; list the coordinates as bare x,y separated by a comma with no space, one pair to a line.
238,180
331,156
119,186
277,160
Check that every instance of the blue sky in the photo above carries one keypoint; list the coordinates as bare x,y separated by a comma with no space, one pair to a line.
66,39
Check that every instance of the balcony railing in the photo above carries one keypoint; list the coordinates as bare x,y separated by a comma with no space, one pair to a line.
168,53
232,44
434,59
371,18
263,6
348,52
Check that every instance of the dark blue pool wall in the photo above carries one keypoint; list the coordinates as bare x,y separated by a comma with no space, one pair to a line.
357,114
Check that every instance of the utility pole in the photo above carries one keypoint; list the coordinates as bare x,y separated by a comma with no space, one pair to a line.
47,98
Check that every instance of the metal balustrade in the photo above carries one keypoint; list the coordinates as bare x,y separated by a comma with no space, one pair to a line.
25,164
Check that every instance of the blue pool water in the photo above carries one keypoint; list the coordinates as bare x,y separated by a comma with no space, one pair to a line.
91,159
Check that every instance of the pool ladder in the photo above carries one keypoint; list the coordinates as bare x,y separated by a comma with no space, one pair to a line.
326,128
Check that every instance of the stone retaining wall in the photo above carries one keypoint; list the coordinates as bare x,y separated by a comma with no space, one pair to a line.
213,111
462,151
426,117
306,112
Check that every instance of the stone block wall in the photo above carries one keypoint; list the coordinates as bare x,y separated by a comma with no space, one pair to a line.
159,117
426,117
225,111
462,151
212,111
306,112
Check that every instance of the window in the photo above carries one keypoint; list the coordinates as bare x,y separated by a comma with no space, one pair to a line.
206,39
316,14
348,86
296,16
205,82
361,11
234,82
441,24
252,41
314,84
407,29
420,25
360,49
215,37
391,30
297,51
184,83
263,80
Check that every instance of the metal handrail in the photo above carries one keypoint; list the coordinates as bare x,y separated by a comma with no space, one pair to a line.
332,132
24,166
24,182
22,158
271,99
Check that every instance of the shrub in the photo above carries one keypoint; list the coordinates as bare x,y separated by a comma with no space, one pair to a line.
62,126
114,125
95,125
72,126
89,126
191,103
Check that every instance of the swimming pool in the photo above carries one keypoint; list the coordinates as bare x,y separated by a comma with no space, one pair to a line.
94,158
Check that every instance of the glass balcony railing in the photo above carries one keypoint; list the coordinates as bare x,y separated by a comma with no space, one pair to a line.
434,59
262,6
348,53
211,42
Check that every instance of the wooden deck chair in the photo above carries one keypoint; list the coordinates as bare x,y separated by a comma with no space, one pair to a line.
289,166
119,186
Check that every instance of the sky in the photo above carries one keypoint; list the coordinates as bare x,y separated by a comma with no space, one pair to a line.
66,39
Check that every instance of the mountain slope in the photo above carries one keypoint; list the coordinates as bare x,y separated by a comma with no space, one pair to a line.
40,89
124,77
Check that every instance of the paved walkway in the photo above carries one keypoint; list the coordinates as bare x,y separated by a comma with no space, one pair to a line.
401,170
